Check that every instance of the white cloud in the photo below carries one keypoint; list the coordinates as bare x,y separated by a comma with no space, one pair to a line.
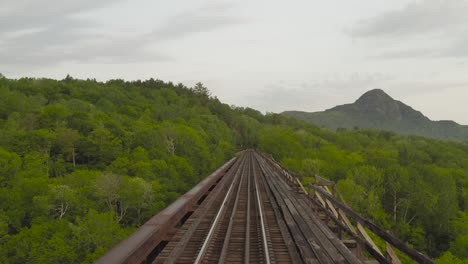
208,17
419,17
423,28
269,54
38,33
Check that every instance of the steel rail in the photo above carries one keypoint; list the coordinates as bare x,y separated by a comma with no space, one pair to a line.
260,209
227,237
184,241
137,247
215,223
247,223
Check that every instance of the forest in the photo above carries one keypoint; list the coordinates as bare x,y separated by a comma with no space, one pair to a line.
84,163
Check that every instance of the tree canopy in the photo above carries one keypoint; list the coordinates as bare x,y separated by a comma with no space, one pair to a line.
84,163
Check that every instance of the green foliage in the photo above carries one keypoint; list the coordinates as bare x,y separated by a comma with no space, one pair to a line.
281,142
449,258
9,165
45,242
94,233
460,232
413,186
84,163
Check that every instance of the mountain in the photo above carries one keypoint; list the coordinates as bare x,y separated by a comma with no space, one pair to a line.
94,146
376,109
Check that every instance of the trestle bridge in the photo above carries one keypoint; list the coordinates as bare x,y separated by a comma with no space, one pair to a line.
252,210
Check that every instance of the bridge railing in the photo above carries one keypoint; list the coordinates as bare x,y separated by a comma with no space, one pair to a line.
142,245
340,213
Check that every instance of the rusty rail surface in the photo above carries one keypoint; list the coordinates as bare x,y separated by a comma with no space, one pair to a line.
139,245
230,226
256,217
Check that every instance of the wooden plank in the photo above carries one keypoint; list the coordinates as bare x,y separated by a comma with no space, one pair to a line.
306,252
322,184
332,208
354,235
334,247
323,181
346,220
301,241
313,238
327,190
411,252
330,204
313,230
339,245
338,213
301,186
323,249
367,237
293,251
320,198
391,255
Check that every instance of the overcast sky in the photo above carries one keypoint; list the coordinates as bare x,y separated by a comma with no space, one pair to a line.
270,55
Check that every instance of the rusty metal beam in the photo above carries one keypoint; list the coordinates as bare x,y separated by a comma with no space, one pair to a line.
140,244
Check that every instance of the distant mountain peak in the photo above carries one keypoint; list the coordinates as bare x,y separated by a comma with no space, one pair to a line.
377,109
377,105
375,95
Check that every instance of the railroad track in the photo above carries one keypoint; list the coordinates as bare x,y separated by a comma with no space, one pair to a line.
250,210
237,224
253,216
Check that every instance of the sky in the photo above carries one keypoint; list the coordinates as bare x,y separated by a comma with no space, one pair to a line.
266,54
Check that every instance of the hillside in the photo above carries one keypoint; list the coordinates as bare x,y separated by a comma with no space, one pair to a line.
83,163
377,110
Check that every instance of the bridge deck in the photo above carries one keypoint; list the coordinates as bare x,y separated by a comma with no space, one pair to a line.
254,216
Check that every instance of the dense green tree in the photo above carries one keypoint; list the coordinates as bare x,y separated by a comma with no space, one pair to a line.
449,258
281,142
9,165
67,140
109,188
139,195
61,199
83,163
46,242
94,233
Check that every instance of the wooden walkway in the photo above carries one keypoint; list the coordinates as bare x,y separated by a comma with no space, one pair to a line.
255,217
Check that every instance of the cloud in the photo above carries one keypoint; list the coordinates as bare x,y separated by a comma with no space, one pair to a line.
438,28
208,17
59,44
410,53
420,17
15,15
460,46
49,32
316,95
